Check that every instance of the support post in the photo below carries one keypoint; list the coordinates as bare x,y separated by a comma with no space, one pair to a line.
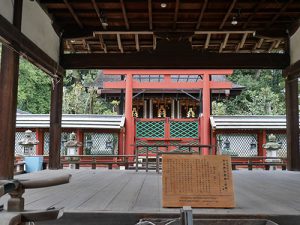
262,139
292,118
150,109
121,105
172,109
40,137
129,122
8,100
205,137
55,123
80,138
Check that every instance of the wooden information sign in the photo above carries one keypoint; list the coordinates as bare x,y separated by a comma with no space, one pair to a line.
197,181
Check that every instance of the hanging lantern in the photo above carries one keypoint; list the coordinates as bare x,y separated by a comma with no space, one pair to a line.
135,112
161,112
190,113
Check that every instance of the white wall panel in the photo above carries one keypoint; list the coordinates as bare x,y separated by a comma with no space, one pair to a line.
36,25
6,9
295,47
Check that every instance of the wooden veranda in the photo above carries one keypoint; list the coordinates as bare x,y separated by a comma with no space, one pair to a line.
116,196
134,34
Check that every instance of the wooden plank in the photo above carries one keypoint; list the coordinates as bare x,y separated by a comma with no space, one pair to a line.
197,181
73,13
150,14
149,196
102,199
166,61
125,200
124,14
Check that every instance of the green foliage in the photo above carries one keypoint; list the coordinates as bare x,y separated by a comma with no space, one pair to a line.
263,94
80,94
34,91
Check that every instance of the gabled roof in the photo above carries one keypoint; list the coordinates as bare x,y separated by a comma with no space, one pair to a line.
72,121
248,122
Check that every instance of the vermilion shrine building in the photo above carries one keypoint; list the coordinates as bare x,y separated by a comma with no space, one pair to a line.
167,118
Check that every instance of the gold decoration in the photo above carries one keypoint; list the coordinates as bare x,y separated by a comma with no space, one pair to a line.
135,112
190,113
161,112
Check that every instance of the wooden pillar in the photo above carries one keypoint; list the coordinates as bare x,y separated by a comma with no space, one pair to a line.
178,109
150,108
121,142
8,100
129,122
292,119
121,105
80,138
145,109
55,123
262,139
205,137
172,108
40,137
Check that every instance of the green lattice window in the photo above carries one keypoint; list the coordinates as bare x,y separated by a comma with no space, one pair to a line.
187,129
150,129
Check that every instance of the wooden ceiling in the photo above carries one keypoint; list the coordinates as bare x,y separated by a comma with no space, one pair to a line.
123,26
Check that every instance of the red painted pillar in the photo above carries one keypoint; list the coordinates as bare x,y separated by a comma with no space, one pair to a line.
262,139
121,142
79,135
129,120
40,146
205,137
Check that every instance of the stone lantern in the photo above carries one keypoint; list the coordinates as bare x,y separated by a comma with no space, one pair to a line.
72,150
272,148
28,143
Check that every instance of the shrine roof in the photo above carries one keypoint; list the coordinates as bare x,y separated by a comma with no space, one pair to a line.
72,121
248,122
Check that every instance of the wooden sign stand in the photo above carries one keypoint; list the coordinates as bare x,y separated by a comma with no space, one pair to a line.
198,181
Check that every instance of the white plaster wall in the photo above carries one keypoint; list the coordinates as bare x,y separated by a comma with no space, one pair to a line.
6,9
295,47
36,25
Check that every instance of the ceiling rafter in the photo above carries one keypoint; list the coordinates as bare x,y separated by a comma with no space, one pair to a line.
272,46
201,14
279,13
207,40
150,14
98,14
125,14
86,45
257,7
154,42
176,14
227,14
102,43
224,43
120,46
73,14
137,43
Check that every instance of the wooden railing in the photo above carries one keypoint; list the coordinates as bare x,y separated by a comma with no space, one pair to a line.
258,162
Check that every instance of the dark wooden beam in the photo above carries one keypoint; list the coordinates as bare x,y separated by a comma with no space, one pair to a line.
279,13
73,13
150,14
98,13
176,13
292,119
55,123
227,14
201,14
171,60
125,14
34,54
9,75
256,8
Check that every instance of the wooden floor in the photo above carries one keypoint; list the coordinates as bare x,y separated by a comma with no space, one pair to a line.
256,192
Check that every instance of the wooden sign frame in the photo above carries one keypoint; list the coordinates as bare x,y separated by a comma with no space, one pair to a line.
198,181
